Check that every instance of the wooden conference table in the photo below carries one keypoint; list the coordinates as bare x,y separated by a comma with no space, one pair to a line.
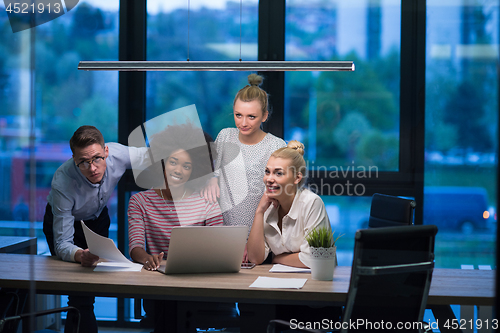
53,276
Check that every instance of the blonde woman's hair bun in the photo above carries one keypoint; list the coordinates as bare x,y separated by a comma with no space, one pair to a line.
255,80
252,92
296,145
294,151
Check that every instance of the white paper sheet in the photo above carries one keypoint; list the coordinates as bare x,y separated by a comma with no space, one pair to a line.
279,268
113,266
278,283
105,248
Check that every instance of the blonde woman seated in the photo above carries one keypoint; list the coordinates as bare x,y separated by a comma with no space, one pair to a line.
286,212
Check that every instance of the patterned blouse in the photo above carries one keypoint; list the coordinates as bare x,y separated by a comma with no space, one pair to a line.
240,169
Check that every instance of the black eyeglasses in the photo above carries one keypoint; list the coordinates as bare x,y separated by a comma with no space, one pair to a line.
85,165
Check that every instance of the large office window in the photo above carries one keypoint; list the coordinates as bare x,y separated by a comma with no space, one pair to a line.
461,130
345,117
15,121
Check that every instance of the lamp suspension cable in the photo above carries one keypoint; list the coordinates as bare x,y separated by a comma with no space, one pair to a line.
241,6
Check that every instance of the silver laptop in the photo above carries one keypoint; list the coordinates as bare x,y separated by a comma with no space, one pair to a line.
204,249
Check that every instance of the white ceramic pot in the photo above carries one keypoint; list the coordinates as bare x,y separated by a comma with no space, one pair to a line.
322,263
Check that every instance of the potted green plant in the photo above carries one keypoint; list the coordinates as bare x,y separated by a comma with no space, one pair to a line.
322,259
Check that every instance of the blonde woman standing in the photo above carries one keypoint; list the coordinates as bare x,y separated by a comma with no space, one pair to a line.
242,153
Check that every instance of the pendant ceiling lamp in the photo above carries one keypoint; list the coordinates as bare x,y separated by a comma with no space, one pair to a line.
261,66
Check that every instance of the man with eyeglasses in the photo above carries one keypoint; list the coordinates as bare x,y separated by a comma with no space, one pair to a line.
80,190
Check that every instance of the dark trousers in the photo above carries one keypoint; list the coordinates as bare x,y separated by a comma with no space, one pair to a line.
85,304
165,315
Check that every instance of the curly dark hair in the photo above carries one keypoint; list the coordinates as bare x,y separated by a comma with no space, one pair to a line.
186,137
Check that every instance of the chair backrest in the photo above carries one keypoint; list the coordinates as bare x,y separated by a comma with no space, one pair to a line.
390,211
390,278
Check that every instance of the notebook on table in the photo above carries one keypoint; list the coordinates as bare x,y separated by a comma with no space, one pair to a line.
203,249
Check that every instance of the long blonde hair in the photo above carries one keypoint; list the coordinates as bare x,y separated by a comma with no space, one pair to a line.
252,92
294,152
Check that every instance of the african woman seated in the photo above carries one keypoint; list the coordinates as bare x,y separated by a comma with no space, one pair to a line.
185,164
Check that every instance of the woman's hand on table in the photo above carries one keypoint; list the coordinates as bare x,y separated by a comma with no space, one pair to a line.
152,262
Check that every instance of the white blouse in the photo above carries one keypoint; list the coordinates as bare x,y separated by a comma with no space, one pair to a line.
307,212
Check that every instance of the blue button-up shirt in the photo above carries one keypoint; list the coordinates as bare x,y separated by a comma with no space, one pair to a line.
74,197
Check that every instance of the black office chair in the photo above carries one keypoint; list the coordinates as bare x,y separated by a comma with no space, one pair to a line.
391,276
390,211
390,280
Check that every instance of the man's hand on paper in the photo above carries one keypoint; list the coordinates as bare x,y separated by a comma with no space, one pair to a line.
153,261
86,258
